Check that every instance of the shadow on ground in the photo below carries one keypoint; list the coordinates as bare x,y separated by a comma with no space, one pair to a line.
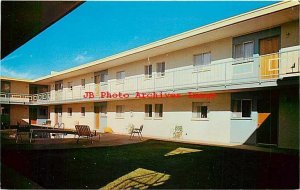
96,167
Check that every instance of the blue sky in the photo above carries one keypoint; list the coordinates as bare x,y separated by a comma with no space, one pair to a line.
98,29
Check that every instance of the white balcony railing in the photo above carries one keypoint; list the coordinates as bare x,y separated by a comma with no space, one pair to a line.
255,70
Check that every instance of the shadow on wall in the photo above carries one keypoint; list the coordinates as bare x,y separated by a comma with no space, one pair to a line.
279,126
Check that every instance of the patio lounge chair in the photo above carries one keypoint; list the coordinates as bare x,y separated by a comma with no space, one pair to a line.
84,131
21,130
137,131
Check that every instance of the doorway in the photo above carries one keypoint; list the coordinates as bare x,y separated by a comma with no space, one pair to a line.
32,115
100,110
268,114
58,115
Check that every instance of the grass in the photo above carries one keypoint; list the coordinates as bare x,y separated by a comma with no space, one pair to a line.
213,167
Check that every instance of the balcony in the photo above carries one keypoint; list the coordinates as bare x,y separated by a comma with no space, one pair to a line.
257,71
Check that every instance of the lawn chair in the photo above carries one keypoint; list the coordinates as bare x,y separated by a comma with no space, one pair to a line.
21,130
84,131
177,132
137,131
59,126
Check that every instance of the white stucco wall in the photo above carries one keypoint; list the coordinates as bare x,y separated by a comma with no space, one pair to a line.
76,118
175,112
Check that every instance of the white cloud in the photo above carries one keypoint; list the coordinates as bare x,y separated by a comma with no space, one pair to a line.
15,74
83,57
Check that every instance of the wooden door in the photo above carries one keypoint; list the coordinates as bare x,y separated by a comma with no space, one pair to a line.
33,115
56,118
97,117
269,57
97,85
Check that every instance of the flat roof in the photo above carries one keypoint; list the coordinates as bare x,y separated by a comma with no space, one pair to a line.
15,79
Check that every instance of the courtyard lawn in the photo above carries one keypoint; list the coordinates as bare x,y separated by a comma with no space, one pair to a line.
150,164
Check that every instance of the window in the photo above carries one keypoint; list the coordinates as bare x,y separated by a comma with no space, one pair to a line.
58,85
248,49
104,77
5,86
82,111
119,111
69,111
43,111
244,50
200,110
58,110
241,108
202,59
148,71
121,75
161,67
70,85
83,83
158,110
148,110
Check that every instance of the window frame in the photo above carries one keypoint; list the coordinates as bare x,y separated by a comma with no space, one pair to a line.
243,51
82,111
148,112
239,114
5,84
161,73
70,112
198,114
121,80
42,109
59,86
149,69
202,59
120,114
70,85
83,83
157,113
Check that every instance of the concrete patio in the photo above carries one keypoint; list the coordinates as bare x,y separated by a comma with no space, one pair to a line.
106,139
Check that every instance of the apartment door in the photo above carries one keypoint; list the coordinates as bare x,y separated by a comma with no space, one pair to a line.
58,90
100,110
103,116
103,80
33,115
269,57
58,114
268,113
97,84
97,117
100,79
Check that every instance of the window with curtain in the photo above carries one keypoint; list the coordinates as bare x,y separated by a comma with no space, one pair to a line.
119,110
158,110
104,77
248,50
202,59
241,108
160,69
69,111
148,71
83,83
82,111
70,85
120,75
199,110
148,110
244,50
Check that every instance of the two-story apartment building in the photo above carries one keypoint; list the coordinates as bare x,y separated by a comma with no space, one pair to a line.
233,81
